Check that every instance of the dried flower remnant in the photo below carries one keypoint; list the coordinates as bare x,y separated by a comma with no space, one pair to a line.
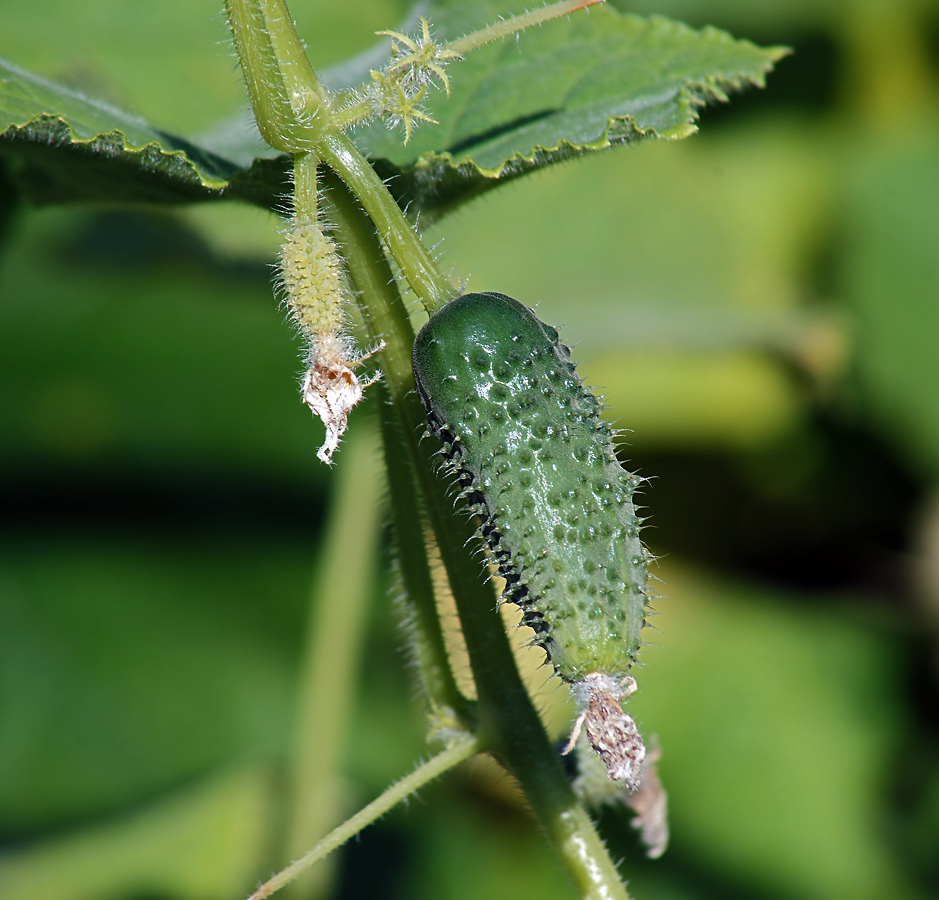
611,732
331,389
317,293
593,785
650,804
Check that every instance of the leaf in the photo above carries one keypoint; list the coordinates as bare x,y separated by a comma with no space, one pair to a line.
576,86
594,80
62,146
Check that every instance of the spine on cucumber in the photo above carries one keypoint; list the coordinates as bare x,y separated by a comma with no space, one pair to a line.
536,462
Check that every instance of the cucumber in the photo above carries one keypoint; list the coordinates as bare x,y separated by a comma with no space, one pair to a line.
536,462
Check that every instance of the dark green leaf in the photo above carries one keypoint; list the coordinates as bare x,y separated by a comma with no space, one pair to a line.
61,146
595,80
592,81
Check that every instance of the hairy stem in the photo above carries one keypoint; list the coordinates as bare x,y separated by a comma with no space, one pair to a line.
412,257
291,108
386,320
461,749
289,103
305,187
514,24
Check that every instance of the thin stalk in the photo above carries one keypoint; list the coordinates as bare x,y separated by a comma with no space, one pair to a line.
372,277
305,187
449,709
333,646
460,750
412,257
514,24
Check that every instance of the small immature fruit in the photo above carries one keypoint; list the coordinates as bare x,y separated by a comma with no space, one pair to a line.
536,462
315,286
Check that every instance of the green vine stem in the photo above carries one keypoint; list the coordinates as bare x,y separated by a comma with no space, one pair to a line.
333,646
413,258
386,320
509,726
290,105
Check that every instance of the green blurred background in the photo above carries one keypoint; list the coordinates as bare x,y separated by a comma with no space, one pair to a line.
761,305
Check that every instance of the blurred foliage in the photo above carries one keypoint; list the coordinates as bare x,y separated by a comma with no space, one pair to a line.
761,304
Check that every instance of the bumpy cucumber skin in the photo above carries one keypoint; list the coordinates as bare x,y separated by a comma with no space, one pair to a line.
537,463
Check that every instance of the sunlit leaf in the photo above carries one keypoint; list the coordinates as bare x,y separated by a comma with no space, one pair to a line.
576,86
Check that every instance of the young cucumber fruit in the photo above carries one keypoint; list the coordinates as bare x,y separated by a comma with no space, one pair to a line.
535,461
